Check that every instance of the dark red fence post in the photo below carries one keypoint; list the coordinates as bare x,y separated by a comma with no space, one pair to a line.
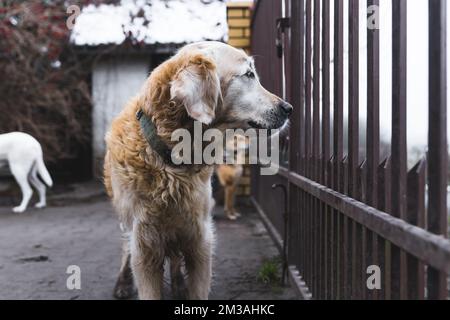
326,137
399,143
338,124
437,138
373,126
416,216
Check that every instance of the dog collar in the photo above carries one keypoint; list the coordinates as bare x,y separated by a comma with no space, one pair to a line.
153,139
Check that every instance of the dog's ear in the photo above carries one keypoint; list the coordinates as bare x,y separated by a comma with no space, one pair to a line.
197,87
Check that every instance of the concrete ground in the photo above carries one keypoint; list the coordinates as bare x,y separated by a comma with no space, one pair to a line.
79,228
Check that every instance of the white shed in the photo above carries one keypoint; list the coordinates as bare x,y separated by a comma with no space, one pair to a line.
114,81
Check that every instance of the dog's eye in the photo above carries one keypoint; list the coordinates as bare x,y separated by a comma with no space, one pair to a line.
250,74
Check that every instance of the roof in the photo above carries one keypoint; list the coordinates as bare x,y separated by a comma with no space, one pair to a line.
151,22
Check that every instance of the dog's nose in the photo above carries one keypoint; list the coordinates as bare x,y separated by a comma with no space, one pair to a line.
286,108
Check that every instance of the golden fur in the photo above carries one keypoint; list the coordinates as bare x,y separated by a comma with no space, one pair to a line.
159,196
135,162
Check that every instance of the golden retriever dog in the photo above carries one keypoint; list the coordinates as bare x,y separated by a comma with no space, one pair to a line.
164,209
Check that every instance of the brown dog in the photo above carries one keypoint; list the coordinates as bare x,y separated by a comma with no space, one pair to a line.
229,175
164,209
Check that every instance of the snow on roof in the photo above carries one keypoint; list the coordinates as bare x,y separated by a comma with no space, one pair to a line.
151,21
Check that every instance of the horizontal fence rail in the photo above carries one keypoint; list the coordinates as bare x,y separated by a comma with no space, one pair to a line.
359,226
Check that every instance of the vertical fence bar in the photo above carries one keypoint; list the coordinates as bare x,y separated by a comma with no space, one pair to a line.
384,204
297,56
331,265
338,116
325,88
373,109
298,243
325,128
316,143
303,227
373,120
359,238
308,79
353,130
338,87
437,136
353,95
296,66
399,143
316,88
299,7
416,216
310,243
343,250
296,51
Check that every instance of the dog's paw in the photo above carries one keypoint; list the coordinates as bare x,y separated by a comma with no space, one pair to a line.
123,293
232,217
179,291
40,205
18,210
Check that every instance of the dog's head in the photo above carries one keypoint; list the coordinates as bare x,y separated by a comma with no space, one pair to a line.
218,85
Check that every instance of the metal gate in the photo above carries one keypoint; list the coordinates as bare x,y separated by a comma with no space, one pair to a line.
348,216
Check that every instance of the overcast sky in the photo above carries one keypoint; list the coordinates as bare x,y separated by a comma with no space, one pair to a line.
417,69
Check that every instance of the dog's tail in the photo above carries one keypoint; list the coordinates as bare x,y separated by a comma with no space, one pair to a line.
43,172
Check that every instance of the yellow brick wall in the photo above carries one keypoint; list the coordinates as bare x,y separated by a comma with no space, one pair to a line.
239,20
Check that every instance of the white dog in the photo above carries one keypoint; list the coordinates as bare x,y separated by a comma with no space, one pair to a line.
24,155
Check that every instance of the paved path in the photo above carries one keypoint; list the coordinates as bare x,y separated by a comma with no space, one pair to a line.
37,247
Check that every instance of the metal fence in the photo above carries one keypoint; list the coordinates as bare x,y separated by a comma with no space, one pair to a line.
346,212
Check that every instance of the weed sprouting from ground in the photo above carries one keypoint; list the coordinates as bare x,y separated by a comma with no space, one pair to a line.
270,272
